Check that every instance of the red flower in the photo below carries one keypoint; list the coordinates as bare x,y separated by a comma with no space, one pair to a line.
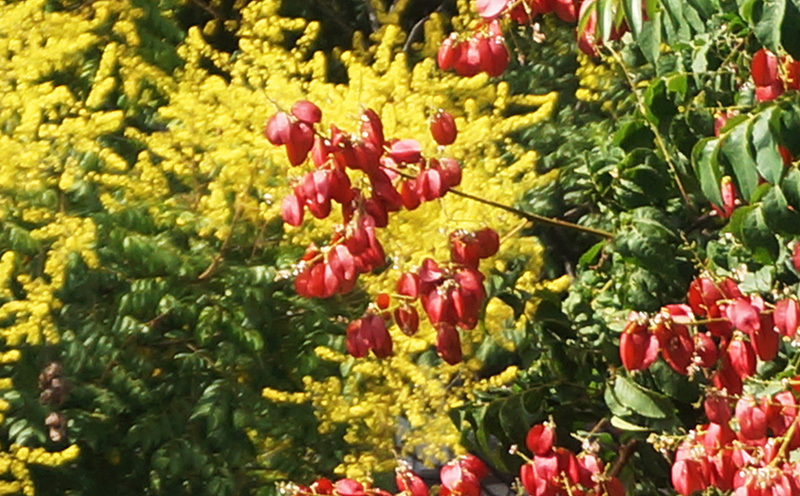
443,128
448,344
638,347
764,68
540,439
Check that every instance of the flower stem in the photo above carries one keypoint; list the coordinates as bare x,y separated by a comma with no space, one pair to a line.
550,221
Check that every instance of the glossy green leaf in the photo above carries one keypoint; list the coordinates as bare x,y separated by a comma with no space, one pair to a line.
707,168
650,37
638,399
768,159
633,15
777,214
624,425
736,148
605,18
768,26
758,237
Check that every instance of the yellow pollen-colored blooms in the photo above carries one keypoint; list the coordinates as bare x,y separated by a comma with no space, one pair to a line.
213,144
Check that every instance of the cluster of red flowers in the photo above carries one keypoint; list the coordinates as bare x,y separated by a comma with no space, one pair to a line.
745,445
459,477
765,69
556,471
484,51
751,461
722,308
399,177
527,11
451,294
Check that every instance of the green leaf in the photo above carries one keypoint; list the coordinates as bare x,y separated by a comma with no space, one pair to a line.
650,38
706,8
605,18
614,404
638,399
677,28
736,148
707,169
514,419
777,213
768,27
591,254
587,14
758,237
633,14
791,187
623,424
768,159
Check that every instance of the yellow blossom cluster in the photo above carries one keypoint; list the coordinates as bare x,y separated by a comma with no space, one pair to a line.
595,78
49,132
53,145
375,396
14,466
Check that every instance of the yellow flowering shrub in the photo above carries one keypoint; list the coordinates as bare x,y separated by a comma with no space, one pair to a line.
198,163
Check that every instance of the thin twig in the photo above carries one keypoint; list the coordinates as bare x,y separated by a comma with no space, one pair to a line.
625,452
534,217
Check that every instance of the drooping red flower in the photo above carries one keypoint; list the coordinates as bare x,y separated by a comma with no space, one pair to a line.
540,439
787,316
638,347
764,69
448,344
443,128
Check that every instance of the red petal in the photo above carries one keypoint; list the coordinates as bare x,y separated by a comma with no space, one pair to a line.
292,210
786,315
408,151
278,129
540,439
489,9
307,112
448,344
764,68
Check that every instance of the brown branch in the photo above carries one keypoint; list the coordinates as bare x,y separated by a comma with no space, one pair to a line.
625,452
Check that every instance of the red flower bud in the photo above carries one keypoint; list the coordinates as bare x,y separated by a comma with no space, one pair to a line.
407,320
450,171
292,210
443,128
448,344
449,52
409,483
752,418
717,407
742,358
787,315
764,68
278,129
638,347
407,151
540,439
383,301
372,128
